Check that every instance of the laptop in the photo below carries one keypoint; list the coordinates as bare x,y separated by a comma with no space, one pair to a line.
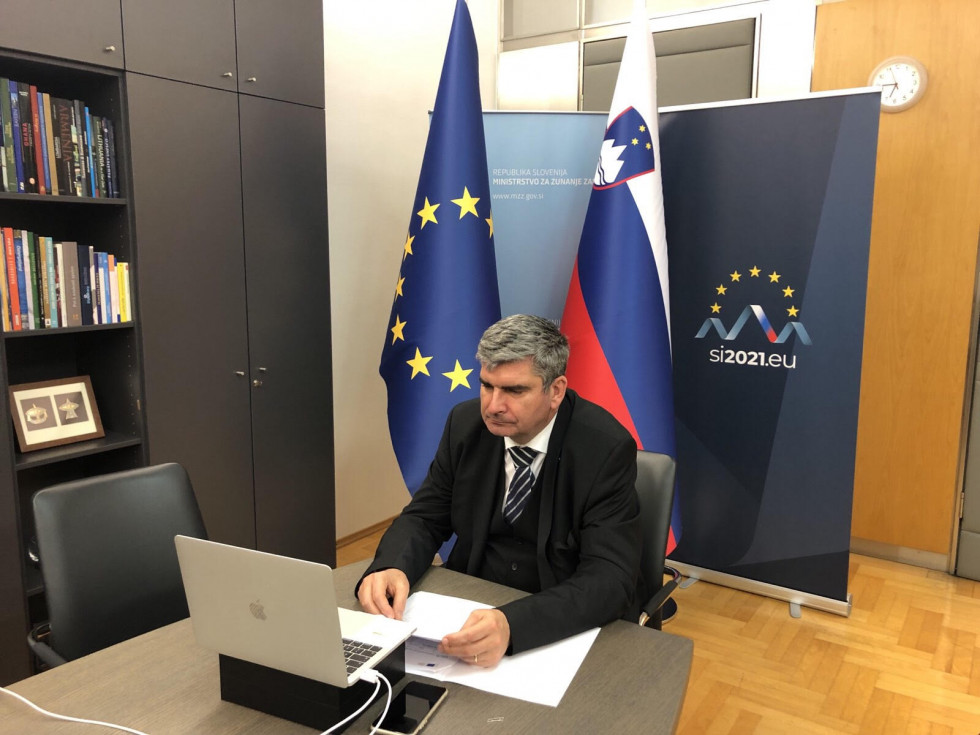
281,613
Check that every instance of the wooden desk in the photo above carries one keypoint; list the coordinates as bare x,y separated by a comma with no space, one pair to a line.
633,680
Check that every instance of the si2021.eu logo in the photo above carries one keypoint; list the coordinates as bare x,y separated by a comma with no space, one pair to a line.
734,296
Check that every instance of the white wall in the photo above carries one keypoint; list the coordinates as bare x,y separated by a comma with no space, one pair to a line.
383,60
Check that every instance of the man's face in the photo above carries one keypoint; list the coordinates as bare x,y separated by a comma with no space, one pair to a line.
515,403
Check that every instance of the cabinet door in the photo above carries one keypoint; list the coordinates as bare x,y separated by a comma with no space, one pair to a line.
287,266
280,52
83,30
187,180
185,40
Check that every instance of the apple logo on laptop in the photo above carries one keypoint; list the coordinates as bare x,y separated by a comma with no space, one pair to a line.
257,609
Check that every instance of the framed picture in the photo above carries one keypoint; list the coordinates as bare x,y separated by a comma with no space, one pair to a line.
54,412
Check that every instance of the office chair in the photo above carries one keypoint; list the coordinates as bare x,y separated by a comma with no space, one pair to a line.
106,546
655,489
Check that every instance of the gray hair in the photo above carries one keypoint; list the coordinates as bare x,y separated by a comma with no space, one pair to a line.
520,336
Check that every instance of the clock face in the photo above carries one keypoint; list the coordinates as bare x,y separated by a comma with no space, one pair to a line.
902,81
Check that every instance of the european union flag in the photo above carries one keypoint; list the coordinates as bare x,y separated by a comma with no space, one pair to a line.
446,292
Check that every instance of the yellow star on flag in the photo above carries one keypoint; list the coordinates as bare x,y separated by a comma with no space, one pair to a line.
722,288
649,146
466,203
787,292
398,287
635,141
774,277
458,376
736,276
408,247
643,128
428,213
792,311
490,222
754,272
398,329
715,308
418,363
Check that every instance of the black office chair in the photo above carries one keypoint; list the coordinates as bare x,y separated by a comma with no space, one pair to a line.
655,489
106,546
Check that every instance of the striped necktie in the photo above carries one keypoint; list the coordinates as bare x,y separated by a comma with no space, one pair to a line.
521,484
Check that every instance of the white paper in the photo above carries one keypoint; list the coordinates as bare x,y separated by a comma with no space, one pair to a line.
541,675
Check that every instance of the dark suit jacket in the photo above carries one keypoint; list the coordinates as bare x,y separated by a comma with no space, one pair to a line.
589,540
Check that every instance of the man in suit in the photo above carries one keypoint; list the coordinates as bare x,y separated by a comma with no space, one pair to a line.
557,516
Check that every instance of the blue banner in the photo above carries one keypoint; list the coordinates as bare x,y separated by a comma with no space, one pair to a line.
768,216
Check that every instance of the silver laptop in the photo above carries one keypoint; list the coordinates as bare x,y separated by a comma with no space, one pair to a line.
281,613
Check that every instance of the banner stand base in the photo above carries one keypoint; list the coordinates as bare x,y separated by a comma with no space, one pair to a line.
826,604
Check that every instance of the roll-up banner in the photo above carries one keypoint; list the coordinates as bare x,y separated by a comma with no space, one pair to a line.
768,212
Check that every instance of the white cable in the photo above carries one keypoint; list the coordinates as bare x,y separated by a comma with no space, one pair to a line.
377,687
387,704
75,719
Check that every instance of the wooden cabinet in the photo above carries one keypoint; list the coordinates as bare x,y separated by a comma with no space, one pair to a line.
81,30
232,233
257,47
226,367
109,354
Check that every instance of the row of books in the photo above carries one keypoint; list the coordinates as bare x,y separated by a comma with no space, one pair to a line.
52,145
47,284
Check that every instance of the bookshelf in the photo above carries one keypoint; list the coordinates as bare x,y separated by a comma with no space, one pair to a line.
222,215
108,353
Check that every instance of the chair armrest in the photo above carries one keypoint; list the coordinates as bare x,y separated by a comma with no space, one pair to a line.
650,610
41,649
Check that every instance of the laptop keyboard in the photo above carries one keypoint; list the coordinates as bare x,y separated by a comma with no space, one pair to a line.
356,653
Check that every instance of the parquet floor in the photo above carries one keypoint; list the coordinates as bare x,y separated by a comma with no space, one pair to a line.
907,660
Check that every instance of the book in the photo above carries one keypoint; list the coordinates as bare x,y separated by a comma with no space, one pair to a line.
42,182
37,318
60,284
92,260
73,302
52,282
78,126
46,246
122,275
99,155
4,184
66,172
114,314
4,301
8,134
113,174
27,137
16,135
12,285
104,291
85,283
51,163
89,150
25,314
97,292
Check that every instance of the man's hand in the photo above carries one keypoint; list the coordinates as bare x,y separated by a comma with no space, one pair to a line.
377,588
483,639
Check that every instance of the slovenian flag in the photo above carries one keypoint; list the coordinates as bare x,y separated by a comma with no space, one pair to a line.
446,294
616,314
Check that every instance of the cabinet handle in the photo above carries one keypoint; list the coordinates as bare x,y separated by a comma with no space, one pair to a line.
228,74
240,373
256,383
251,79
109,49
262,370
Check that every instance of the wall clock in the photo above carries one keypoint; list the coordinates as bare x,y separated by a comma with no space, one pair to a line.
902,80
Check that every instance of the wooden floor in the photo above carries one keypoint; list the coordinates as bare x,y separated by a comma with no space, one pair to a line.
907,660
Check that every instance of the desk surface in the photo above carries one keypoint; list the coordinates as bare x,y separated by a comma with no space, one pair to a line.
633,680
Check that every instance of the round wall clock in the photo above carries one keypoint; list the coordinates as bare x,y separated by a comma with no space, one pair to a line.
902,80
